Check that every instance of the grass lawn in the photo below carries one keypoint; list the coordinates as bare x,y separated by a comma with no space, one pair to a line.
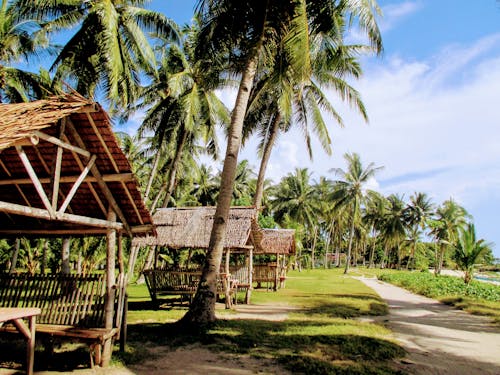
321,336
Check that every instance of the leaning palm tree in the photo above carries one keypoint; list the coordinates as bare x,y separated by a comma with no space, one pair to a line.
469,251
110,48
350,191
247,33
278,102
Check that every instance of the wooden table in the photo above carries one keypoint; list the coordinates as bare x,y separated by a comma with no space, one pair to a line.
16,315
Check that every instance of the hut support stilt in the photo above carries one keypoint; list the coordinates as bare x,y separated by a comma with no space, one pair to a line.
110,288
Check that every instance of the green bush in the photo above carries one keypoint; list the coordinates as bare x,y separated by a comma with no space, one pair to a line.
429,285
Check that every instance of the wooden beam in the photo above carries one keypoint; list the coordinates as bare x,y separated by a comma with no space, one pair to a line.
46,232
132,202
103,142
117,177
40,213
36,182
32,140
56,177
62,144
89,185
76,185
104,188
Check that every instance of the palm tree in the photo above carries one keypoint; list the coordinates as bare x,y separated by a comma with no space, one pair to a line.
395,225
278,102
110,48
418,211
247,34
18,44
449,218
373,215
350,191
469,251
184,108
205,187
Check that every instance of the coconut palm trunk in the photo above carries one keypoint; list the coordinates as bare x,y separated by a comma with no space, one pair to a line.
202,309
266,155
152,175
175,166
168,186
351,237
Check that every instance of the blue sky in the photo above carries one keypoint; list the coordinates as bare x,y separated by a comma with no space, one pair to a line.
432,100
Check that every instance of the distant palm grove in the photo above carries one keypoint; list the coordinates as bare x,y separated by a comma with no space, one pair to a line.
282,58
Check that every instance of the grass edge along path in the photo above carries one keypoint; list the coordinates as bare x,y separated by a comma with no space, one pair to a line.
322,336
476,298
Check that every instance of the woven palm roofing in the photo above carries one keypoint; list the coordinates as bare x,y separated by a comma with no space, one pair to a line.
190,227
90,176
275,241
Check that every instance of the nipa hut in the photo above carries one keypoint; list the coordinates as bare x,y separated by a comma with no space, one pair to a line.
279,243
62,173
190,228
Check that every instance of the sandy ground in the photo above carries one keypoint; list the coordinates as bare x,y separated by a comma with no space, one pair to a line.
438,338
194,359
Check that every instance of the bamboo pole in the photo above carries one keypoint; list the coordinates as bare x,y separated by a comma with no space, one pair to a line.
110,287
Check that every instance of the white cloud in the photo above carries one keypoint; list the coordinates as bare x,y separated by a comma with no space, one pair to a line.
434,125
394,13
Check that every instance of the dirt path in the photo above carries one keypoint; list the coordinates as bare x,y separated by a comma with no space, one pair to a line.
438,338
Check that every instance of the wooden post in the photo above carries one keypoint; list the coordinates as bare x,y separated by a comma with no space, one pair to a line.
65,267
226,280
110,287
250,274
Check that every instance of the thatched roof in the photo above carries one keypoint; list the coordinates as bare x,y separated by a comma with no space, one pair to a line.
32,135
191,227
275,241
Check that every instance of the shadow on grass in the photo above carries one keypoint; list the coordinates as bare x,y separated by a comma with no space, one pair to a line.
288,342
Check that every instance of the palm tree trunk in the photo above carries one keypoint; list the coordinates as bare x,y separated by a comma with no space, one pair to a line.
163,188
65,266
384,259
174,166
372,251
152,175
13,262
313,247
202,310
259,189
349,247
412,256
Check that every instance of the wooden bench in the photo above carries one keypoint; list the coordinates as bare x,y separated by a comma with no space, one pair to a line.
266,274
72,306
181,283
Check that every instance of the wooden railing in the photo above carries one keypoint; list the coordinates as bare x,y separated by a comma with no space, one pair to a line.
183,283
72,305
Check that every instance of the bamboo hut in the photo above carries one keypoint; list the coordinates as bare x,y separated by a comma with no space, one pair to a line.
62,173
190,228
279,243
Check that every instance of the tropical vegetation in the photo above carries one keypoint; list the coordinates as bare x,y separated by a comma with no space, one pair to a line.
280,58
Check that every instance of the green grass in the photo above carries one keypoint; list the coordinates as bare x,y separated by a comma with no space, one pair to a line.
477,297
321,336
